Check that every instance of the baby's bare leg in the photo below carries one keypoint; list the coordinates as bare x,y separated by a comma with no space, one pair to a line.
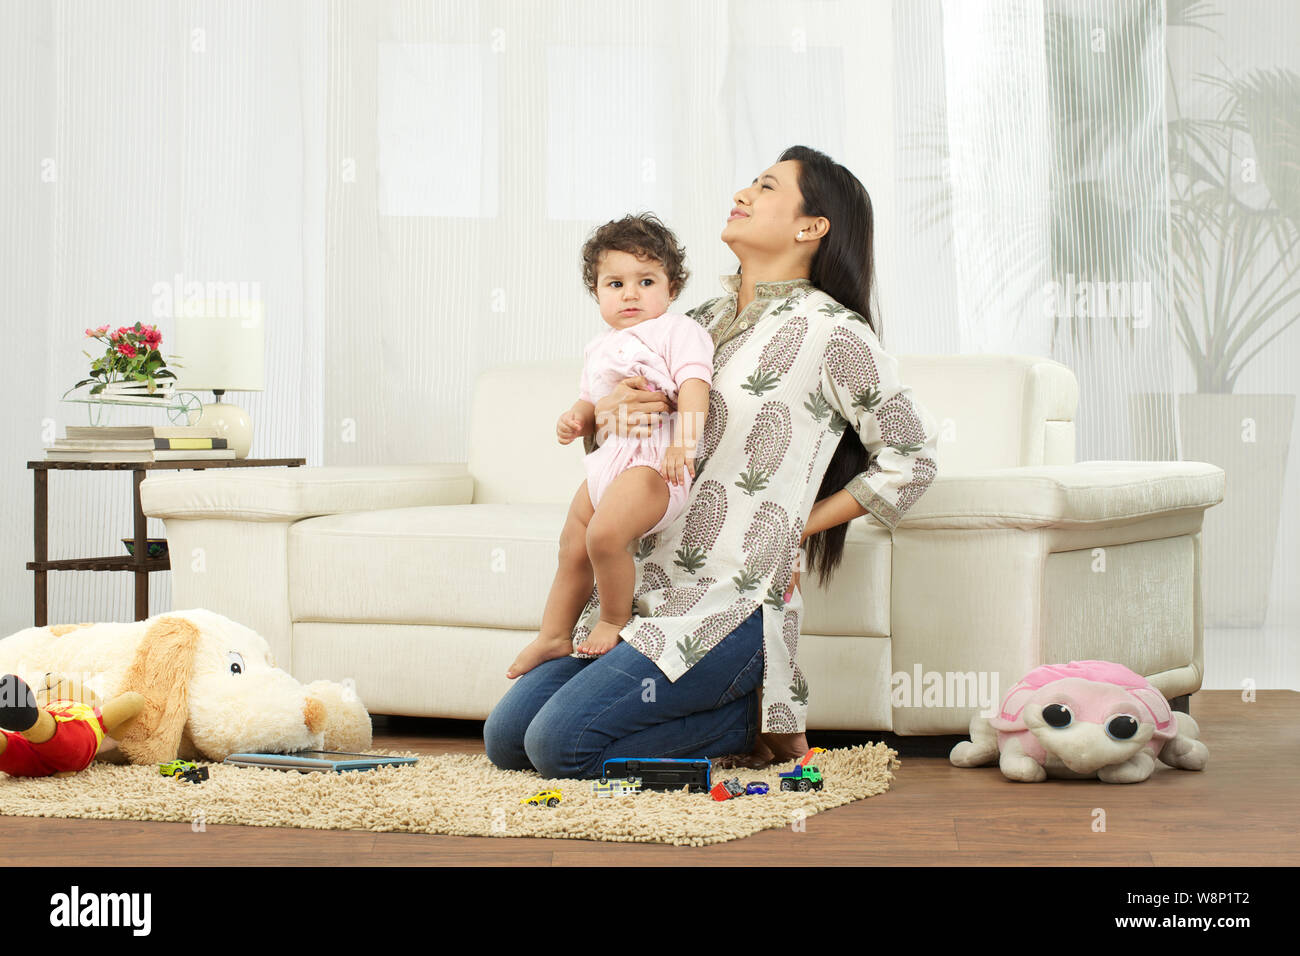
569,590
631,506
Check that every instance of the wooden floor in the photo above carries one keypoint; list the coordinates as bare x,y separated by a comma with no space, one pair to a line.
1240,811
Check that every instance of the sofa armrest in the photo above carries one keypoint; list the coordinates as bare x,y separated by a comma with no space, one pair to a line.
289,494
996,572
1084,494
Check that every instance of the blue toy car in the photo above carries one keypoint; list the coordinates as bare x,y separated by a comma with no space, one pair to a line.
756,786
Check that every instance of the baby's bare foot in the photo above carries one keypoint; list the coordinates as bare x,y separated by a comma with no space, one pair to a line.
602,639
539,651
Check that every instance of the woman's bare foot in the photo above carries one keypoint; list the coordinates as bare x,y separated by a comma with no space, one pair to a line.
541,649
768,749
602,638
785,747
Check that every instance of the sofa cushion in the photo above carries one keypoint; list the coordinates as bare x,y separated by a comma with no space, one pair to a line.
492,565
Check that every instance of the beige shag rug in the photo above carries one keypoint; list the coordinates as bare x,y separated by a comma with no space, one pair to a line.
455,794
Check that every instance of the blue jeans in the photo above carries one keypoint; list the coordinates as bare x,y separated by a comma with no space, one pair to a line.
567,716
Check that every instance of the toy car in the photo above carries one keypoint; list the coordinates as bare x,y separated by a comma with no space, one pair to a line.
616,787
176,767
547,798
802,778
197,775
756,786
726,789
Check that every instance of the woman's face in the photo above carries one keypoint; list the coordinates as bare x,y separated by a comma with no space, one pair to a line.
766,215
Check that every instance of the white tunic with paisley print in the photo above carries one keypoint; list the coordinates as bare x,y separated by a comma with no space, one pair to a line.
790,375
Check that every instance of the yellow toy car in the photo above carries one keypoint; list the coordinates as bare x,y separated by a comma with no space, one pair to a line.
544,798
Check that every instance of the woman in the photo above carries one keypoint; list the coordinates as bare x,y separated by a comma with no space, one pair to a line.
801,391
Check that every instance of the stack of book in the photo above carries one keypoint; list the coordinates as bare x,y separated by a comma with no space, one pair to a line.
130,443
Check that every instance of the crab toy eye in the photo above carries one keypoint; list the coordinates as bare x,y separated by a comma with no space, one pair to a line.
236,662
1122,727
1057,715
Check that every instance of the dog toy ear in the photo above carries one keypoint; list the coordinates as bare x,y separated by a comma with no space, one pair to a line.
160,672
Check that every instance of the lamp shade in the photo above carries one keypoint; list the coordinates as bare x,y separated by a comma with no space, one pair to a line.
217,348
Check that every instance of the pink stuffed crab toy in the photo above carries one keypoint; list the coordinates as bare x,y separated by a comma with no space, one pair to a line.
1080,720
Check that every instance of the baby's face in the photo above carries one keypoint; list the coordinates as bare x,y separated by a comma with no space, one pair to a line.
630,289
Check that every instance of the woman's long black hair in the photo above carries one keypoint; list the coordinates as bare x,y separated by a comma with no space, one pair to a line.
844,268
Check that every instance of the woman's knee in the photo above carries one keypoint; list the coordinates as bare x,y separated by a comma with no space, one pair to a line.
503,741
546,749
553,749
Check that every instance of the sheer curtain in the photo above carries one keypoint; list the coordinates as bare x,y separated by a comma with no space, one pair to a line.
149,140
410,182
473,147
1033,197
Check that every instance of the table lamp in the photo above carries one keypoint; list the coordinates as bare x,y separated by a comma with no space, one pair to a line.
221,348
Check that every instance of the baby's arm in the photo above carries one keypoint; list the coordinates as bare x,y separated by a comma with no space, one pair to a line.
688,424
578,422
586,413
692,412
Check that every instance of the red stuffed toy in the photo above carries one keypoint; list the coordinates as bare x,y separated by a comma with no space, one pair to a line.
60,735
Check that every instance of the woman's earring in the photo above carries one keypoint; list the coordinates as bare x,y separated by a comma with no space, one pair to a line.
800,236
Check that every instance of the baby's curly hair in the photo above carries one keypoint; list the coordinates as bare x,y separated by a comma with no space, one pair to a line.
644,236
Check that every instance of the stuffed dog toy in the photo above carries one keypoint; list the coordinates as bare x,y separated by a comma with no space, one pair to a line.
1080,720
209,686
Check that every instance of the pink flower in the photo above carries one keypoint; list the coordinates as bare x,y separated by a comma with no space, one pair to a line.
127,349
152,337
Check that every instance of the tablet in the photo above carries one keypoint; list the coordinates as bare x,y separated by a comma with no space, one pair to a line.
328,761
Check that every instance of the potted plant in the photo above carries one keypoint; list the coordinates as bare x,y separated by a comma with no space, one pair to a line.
1235,264
131,364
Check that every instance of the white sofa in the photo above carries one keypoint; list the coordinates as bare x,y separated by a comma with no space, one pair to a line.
421,582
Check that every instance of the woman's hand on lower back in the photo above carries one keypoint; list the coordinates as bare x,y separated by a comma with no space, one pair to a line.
627,409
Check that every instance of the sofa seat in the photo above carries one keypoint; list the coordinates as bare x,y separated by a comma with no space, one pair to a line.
491,566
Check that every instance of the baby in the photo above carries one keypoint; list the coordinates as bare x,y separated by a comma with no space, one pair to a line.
635,486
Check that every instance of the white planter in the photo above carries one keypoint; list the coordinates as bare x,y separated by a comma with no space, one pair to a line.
1248,437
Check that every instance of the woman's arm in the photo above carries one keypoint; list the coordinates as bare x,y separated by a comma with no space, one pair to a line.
860,381
829,512
626,412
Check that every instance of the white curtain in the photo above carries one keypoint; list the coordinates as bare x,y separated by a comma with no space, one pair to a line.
472,148
147,141
410,184
1033,197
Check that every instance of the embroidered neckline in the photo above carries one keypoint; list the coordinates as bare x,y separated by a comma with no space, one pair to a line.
766,290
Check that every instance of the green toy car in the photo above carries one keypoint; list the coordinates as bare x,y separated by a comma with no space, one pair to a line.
801,778
174,768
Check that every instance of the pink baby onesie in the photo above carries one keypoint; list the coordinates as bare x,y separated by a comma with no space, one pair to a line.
667,350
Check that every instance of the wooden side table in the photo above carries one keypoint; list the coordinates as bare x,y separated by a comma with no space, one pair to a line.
139,562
